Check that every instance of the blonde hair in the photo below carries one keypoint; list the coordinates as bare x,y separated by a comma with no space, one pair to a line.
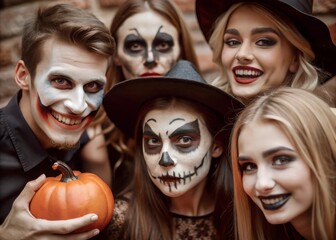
306,77
310,126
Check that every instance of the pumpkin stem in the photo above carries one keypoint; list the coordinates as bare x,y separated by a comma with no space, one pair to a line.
67,174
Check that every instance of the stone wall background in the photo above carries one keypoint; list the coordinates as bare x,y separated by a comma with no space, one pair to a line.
14,12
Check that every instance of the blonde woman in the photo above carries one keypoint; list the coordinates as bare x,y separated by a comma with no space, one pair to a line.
263,44
283,151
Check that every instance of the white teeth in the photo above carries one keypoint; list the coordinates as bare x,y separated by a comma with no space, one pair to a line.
273,200
65,120
242,72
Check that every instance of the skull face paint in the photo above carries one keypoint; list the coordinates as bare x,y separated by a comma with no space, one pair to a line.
147,45
176,148
66,93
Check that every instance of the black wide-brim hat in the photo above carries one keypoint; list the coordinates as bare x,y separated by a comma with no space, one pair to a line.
299,12
124,100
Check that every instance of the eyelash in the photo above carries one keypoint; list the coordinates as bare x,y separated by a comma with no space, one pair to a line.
263,42
284,160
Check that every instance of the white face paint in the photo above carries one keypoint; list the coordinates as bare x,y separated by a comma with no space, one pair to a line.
176,147
147,45
67,91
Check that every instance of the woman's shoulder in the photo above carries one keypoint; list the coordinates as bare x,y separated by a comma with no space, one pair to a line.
114,229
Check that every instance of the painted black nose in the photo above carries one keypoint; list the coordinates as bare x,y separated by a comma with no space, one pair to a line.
165,160
150,63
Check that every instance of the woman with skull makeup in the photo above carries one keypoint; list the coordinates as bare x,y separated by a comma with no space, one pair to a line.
182,184
150,37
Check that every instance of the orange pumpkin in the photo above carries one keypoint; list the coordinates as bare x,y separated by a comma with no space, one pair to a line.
73,194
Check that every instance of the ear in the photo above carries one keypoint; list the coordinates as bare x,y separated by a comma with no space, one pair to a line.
294,66
217,150
22,75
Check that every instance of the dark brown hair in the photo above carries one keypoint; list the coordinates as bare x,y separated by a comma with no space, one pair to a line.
69,24
148,216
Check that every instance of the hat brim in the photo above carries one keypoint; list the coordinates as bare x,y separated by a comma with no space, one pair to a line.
313,29
124,101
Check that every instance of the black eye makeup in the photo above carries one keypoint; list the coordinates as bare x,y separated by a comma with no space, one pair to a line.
134,45
163,42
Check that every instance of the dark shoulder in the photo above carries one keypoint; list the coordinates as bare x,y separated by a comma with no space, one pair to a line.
114,228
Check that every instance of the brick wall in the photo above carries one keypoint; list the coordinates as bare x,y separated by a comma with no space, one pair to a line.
14,12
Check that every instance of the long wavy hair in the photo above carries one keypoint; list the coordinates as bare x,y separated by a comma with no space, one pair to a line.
148,216
167,9
310,126
307,75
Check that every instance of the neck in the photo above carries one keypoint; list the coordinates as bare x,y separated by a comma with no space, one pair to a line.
25,108
195,202
302,225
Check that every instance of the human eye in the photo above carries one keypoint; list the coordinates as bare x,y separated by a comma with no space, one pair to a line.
134,46
93,87
152,142
282,160
61,83
247,167
266,42
162,46
231,40
184,141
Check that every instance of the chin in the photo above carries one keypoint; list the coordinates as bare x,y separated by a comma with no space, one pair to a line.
276,220
65,145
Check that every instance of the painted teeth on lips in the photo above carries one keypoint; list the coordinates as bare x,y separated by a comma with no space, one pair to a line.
170,179
66,120
274,202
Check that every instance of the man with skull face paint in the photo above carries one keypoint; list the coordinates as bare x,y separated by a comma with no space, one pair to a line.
61,74
181,181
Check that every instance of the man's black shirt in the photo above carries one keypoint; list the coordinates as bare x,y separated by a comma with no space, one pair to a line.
22,157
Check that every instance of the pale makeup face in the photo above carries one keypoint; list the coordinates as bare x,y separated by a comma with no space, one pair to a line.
66,93
255,56
275,177
147,45
176,147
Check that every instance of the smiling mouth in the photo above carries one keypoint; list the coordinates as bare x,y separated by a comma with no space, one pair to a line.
245,73
274,202
246,76
66,120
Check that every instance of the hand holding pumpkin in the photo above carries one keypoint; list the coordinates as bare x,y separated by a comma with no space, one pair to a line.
20,224
72,195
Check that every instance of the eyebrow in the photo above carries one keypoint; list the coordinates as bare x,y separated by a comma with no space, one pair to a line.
150,120
176,119
275,150
148,131
191,127
254,31
267,153
136,30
